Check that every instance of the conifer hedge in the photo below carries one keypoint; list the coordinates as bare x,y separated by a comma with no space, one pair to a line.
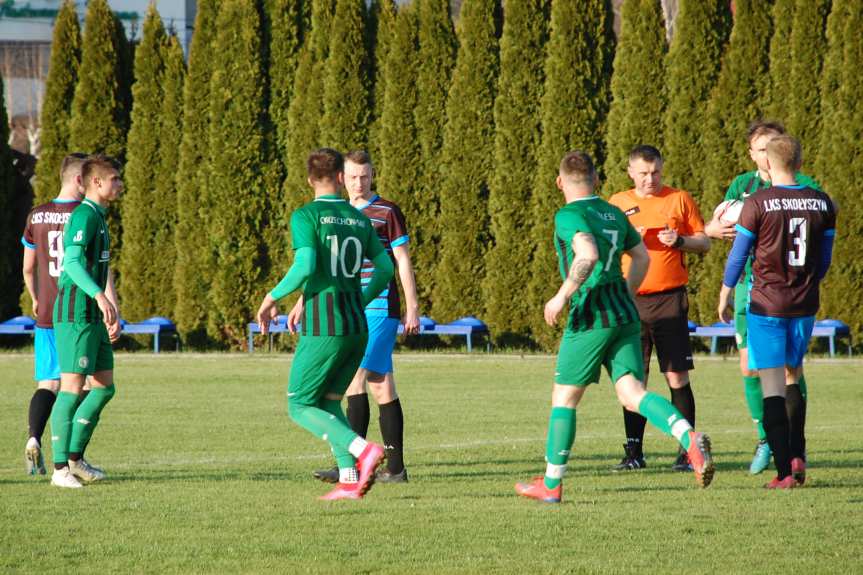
195,260
236,184
139,259
57,106
467,161
437,51
779,87
573,109
638,96
379,34
516,141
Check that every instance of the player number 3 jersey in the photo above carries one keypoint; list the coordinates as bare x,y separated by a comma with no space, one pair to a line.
603,300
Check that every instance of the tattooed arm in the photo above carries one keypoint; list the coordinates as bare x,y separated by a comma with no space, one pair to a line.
586,256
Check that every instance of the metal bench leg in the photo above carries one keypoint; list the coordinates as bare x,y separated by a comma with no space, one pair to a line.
469,346
251,341
713,343
156,342
832,346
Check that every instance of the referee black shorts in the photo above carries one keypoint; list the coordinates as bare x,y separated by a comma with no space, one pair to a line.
665,326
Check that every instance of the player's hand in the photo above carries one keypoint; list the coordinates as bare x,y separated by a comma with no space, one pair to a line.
266,313
719,231
640,230
295,317
553,308
109,312
726,312
35,307
411,321
114,331
667,236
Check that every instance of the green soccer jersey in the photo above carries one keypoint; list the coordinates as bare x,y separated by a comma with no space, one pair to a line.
341,237
741,188
603,300
86,228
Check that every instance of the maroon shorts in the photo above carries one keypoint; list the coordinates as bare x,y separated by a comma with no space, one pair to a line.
665,326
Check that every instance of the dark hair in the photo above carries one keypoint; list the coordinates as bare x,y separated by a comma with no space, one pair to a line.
786,150
324,164
358,157
646,153
73,160
98,164
760,127
577,164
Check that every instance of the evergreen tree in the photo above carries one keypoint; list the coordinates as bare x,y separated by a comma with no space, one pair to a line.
304,118
573,108
808,46
139,264
516,140
638,98
399,148
467,157
165,192
10,283
99,114
437,51
100,108
830,82
195,261
57,106
382,21
779,87
694,60
285,43
237,184
735,102
842,294
344,125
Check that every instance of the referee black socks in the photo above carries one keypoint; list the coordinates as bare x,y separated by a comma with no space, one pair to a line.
392,424
358,413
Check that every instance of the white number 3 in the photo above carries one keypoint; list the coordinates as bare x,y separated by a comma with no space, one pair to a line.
797,256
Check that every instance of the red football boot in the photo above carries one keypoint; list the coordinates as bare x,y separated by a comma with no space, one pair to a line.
798,470
367,463
700,457
536,489
786,483
343,491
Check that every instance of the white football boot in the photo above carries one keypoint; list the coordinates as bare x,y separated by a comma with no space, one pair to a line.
64,478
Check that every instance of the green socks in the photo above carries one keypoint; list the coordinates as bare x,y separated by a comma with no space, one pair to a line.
343,457
755,403
327,421
87,416
665,417
561,434
61,425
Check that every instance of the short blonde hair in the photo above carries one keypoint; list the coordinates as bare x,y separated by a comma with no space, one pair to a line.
785,153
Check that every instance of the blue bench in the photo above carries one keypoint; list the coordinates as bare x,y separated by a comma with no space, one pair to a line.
466,326
21,325
155,326
829,328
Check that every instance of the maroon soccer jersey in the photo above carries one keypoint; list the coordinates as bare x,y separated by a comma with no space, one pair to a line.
789,224
389,223
44,233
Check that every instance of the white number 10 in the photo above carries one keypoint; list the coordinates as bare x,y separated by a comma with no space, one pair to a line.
337,256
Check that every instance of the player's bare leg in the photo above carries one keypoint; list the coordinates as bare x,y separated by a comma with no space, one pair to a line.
40,411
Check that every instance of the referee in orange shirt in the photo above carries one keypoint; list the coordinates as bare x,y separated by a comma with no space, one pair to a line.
670,224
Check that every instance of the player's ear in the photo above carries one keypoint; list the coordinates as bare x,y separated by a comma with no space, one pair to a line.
340,178
559,182
309,180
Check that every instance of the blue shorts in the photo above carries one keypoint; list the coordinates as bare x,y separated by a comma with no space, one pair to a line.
382,340
47,363
777,341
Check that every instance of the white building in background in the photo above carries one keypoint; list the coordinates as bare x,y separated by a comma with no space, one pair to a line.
26,29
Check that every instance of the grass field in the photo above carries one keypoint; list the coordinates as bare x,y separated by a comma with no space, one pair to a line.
207,474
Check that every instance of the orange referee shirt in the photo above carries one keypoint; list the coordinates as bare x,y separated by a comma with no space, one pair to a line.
672,208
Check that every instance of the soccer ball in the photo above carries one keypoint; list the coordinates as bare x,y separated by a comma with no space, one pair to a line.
728,212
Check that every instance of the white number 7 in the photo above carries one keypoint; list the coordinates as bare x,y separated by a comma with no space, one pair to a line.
613,234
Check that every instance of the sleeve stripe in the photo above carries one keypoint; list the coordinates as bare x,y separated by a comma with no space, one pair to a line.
27,244
401,240
744,231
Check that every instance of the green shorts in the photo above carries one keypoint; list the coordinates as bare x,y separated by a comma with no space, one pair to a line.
324,364
83,347
583,353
